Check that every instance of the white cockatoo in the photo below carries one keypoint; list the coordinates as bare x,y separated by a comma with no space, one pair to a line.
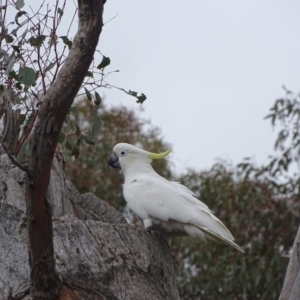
166,206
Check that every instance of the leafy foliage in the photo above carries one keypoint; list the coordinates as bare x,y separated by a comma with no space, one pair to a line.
263,223
286,113
31,55
260,205
282,167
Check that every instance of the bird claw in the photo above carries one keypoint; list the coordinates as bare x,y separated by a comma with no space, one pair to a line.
151,229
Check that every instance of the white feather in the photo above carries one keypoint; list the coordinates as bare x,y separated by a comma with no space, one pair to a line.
171,207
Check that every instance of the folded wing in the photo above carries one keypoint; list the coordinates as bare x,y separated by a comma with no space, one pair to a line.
171,202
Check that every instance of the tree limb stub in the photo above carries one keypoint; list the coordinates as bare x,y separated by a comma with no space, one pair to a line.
55,105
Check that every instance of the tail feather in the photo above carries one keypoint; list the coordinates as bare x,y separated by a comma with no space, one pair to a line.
218,237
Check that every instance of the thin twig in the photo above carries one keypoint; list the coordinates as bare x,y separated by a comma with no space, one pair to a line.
110,19
16,163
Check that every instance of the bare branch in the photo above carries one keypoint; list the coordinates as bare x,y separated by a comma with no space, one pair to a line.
16,163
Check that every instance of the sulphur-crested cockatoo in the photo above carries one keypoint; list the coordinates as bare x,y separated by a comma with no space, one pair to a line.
166,206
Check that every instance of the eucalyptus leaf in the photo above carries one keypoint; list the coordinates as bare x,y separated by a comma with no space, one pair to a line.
62,137
66,41
18,15
16,48
88,94
37,41
20,4
104,63
9,39
76,149
26,76
49,67
3,53
10,67
60,12
97,99
73,109
14,31
89,74
140,99
87,139
96,123
68,146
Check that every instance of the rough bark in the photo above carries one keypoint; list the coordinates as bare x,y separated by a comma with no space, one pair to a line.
45,283
291,286
97,254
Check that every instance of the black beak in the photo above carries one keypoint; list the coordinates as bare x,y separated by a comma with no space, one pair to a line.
113,161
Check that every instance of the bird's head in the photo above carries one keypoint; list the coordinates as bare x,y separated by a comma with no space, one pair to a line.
125,155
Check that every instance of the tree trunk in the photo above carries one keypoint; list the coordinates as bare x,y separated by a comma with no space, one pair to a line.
45,283
97,254
291,286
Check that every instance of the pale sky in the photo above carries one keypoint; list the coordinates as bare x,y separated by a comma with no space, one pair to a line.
210,69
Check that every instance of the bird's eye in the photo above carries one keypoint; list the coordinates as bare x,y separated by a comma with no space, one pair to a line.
122,153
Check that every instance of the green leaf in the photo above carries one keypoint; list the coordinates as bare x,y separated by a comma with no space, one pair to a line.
16,48
96,123
104,63
76,149
9,39
77,123
140,99
132,93
13,75
37,41
62,137
20,4
88,94
97,99
9,67
73,109
14,31
269,116
1,88
3,53
50,67
68,146
26,76
87,139
23,35
60,12
19,86
66,41
89,74
22,119
18,15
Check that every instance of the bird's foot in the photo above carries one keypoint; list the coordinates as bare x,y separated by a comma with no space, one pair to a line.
151,229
